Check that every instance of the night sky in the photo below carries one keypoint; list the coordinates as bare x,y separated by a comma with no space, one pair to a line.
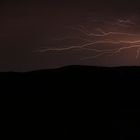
29,30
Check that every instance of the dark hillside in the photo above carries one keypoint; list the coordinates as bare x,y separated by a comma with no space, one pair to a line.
80,101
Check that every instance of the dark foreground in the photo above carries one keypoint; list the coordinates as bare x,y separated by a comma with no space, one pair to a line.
77,102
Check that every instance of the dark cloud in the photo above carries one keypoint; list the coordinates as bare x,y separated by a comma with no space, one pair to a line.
31,25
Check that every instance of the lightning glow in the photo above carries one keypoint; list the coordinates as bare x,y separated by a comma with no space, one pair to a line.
93,41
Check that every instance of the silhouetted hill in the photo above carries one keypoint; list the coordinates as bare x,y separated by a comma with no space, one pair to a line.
122,72
84,99
119,83
74,77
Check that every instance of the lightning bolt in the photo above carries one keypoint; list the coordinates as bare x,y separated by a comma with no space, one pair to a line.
94,41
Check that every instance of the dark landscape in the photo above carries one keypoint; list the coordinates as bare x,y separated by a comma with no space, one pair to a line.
81,101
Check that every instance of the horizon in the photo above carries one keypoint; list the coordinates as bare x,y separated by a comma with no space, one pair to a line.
76,67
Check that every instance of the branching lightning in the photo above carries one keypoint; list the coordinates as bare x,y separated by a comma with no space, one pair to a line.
93,41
